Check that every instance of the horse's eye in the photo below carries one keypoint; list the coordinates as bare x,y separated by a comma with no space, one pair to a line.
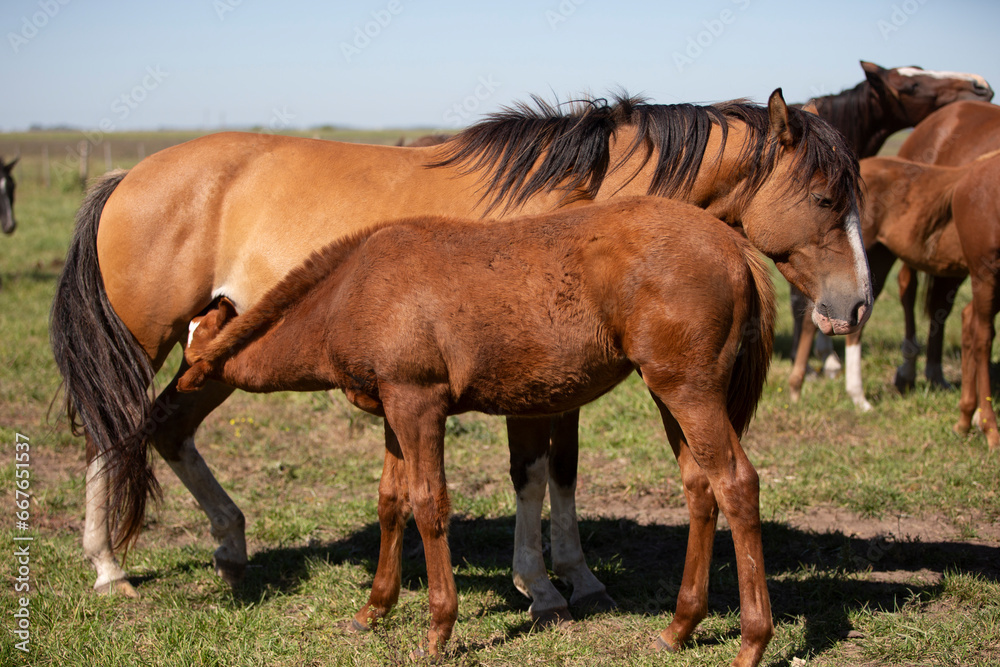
821,201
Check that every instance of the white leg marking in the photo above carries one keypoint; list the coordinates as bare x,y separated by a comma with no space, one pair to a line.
852,377
823,348
568,561
530,575
96,535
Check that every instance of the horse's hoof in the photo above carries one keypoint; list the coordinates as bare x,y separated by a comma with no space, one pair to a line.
596,602
230,571
118,587
960,429
558,617
661,644
424,655
357,627
940,384
903,384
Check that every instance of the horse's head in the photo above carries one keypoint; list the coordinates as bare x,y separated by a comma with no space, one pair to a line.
7,222
804,216
913,93
201,332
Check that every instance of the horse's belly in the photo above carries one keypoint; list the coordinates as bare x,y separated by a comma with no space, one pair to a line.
527,387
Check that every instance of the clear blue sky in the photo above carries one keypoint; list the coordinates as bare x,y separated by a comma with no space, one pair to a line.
148,64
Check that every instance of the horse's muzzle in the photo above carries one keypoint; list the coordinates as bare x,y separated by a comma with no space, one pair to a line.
830,324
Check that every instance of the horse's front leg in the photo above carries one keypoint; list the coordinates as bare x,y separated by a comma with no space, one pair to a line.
568,560
528,440
852,375
940,301
417,416
906,374
800,364
393,512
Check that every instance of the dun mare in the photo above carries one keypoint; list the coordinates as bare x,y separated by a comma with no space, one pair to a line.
231,214
430,317
945,221
887,101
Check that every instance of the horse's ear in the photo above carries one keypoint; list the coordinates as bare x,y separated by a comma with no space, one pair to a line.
777,111
226,312
811,107
10,166
878,78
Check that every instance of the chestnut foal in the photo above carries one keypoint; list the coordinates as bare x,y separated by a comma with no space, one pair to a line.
429,317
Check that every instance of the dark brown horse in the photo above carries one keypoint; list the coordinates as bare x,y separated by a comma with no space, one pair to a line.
7,222
953,136
945,221
427,318
887,101
424,141
231,214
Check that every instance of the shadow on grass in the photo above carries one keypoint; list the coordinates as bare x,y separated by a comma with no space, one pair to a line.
818,578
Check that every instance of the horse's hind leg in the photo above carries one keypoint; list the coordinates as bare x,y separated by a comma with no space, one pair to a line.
97,547
568,560
417,415
174,419
178,416
393,512
716,450
692,599
528,440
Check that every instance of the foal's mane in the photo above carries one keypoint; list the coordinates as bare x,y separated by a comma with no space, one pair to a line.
526,150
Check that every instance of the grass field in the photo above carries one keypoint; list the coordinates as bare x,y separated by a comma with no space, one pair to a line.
881,534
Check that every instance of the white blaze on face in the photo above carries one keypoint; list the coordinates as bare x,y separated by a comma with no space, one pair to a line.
960,76
852,225
191,327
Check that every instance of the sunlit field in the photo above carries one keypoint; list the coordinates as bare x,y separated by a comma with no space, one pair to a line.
881,533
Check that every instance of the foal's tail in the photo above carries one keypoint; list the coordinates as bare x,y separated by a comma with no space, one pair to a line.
750,371
106,374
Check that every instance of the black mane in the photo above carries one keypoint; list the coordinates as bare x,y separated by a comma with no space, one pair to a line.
527,150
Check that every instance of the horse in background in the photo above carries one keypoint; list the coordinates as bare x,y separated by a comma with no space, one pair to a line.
945,221
426,318
424,141
953,136
189,221
887,101
7,185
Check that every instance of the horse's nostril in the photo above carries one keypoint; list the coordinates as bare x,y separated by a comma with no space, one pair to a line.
858,313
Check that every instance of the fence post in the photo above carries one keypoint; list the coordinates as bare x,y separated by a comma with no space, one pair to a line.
46,173
84,162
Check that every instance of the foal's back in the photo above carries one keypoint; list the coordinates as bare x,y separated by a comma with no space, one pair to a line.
540,315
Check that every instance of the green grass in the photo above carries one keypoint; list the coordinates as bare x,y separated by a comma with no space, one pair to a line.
305,467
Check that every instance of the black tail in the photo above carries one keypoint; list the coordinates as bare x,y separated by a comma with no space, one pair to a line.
107,375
